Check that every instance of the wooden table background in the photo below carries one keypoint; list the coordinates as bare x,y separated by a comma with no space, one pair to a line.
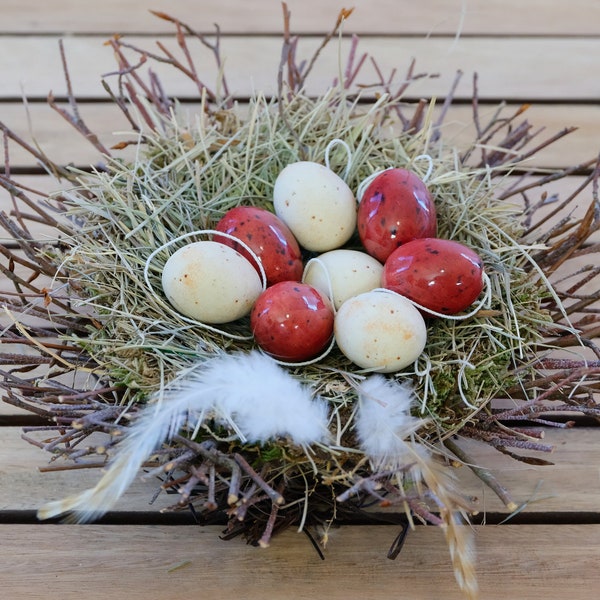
534,51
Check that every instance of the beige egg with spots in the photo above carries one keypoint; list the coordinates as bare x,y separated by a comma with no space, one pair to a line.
343,273
381,331
316,204
210,282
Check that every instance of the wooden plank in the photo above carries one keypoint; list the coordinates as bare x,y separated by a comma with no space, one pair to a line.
41,125
472,17
510,68
26,488
152,563
569,486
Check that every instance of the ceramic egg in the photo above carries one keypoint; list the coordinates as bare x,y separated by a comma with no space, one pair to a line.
380,331
444,276
269,239
396,207
343,273
210,282
292,321
316,204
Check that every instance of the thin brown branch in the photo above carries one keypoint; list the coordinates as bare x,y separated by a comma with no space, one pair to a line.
485,475
74,118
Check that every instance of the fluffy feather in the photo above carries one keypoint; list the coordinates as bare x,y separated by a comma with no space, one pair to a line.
263,400
250,393
383,420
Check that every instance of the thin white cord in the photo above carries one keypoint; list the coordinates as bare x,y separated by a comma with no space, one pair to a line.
484,302
332,144
364,184
316,260
429,171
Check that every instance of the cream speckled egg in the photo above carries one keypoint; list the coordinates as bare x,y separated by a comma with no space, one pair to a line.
344,273
210,282
316,204
380,330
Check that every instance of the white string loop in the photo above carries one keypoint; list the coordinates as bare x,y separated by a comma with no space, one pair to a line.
484,302
364,184
312,361
317,261
332,144
429,171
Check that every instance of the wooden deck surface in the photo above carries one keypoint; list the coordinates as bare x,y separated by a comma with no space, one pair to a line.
530,51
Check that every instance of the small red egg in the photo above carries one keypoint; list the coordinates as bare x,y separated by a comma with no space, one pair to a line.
292,321
441,275
268,237
395,208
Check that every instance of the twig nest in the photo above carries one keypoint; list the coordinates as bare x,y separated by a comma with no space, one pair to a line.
316,204
380,330
211,282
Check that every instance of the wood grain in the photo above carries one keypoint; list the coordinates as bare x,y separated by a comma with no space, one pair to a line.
115,562
527,68
25,488
383,17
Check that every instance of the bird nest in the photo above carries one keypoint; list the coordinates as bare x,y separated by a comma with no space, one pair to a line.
108,354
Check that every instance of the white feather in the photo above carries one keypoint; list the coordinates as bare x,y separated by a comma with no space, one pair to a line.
383,421
271,403
248,392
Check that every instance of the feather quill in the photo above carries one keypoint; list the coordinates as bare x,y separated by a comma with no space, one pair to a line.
250,393
385,429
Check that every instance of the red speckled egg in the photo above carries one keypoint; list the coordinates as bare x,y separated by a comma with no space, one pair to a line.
268,237
395,208
292,321
441,275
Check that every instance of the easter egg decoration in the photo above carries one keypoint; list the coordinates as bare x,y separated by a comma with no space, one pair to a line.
343,273
443,276
380,331
292,321
316,204
268,237
396,207
210,282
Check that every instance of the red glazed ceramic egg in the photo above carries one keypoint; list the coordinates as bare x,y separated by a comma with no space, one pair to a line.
292,321
268,237
395,208
441,275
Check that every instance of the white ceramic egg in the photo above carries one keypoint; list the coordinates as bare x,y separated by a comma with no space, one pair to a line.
210,282
343,273
380,330
316,204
